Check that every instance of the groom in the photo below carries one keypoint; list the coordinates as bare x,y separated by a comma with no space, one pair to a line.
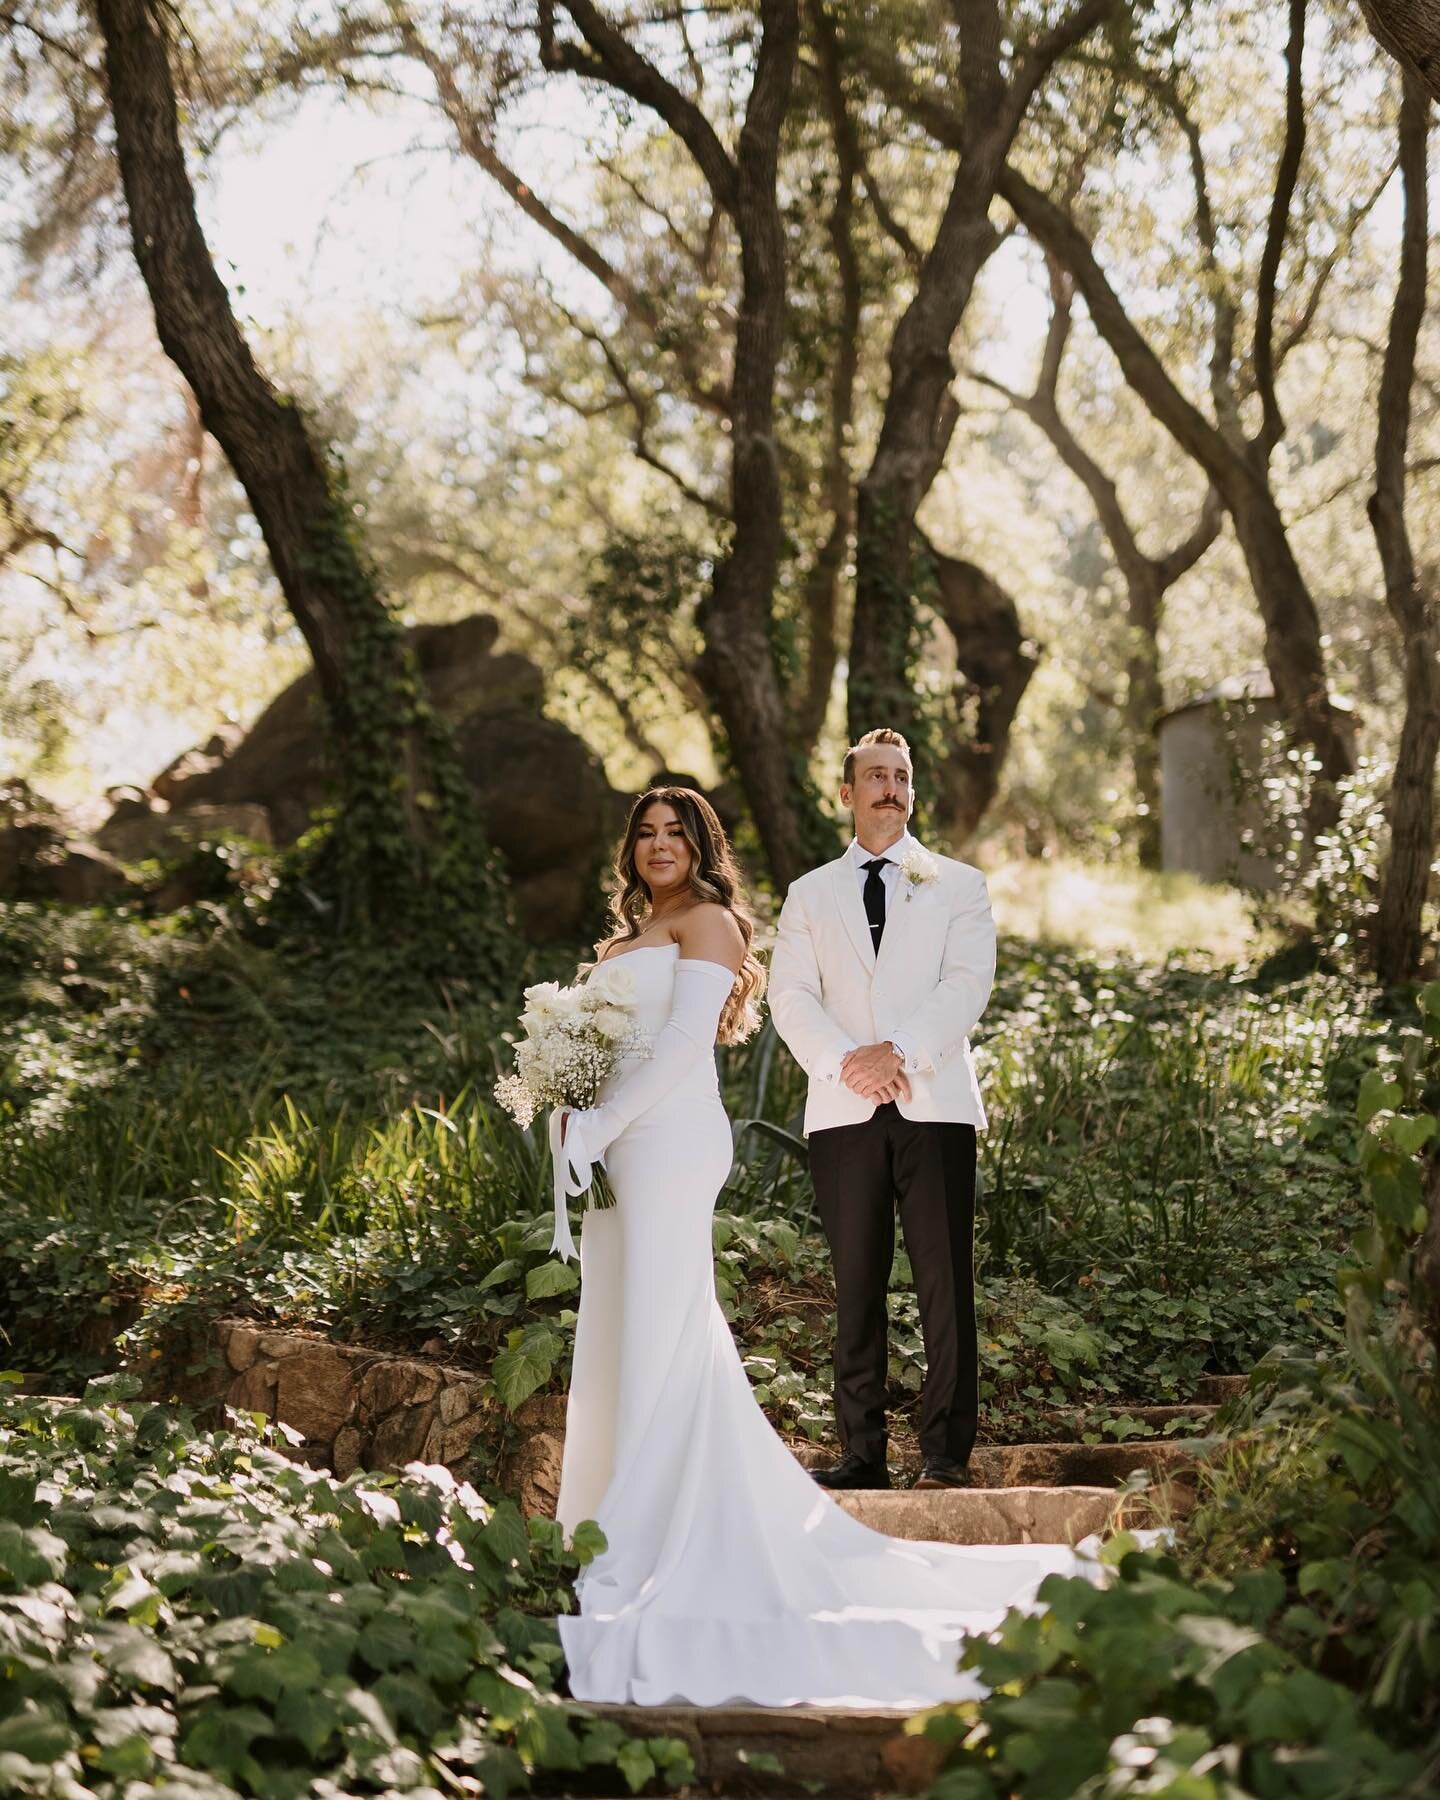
883,965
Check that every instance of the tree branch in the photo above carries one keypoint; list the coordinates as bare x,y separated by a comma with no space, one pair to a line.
612,59
1344,240
47,42
1060,235
1047,50
641,411
477,145
1272,427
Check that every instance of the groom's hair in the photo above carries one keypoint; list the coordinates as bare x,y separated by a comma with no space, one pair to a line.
882,735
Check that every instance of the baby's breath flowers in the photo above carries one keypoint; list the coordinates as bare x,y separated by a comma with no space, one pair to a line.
574,1037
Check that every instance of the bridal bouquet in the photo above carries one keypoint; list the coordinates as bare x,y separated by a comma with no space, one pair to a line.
574,1037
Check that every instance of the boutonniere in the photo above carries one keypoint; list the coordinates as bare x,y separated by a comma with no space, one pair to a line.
918,868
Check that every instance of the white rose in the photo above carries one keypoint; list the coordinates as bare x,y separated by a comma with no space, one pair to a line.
611,1022
614,984
542,998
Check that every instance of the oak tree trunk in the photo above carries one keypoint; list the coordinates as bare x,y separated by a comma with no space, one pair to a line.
995,663
737,667
737,664
1410,31
1410,810
920,408
919,415
1144,699
403,799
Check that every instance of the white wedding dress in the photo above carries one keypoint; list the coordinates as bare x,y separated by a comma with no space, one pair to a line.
730,1575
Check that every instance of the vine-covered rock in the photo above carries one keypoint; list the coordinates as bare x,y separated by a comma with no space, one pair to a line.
267,783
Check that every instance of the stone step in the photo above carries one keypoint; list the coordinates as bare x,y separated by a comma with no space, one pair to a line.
1058,1465
34,1387
1217,1389
1077,1418
853,1753
1077,1465
1013,1515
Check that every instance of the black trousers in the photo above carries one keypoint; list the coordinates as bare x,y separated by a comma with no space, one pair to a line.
862,1173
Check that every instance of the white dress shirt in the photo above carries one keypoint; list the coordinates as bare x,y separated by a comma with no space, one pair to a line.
890,875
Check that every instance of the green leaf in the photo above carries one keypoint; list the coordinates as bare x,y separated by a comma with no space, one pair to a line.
784,1238
411,1701
588,1541
1410,1135
1292,1708
220,1739
550,1278
311,1719
31,1556
501,1273
1376,1095
547,1738
505,1537
134,1657
503,1697
37,1736
519,1370
128,1759
1323,1577
1048,1706
386,1642
636,1764
264,1674
139,1599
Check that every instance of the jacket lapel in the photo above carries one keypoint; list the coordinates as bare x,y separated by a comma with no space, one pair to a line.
900,919
852,909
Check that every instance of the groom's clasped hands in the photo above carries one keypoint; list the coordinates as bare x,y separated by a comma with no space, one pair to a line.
874,1072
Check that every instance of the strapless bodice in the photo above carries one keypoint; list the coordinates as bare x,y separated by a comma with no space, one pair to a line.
652,970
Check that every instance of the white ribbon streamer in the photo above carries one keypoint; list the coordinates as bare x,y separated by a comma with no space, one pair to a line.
573,1174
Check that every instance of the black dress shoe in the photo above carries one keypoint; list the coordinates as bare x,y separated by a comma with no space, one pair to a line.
943,1472
853,1472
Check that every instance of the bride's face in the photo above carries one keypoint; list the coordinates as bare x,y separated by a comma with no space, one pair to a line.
662,854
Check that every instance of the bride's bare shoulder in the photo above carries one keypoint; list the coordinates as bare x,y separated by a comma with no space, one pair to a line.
710,931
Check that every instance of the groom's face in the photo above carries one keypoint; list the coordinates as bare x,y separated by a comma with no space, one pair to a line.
880,797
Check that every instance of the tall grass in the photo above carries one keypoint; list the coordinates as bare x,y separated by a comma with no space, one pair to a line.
344,1175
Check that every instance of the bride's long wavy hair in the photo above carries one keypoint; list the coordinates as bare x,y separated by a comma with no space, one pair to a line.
714,876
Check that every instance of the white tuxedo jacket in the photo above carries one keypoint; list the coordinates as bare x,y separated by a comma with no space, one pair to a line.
829,991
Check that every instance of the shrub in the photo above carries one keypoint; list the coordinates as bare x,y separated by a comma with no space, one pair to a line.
193,1607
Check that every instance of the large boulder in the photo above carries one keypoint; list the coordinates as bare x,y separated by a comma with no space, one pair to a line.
134,832
543,797
280,762
40,858
548,809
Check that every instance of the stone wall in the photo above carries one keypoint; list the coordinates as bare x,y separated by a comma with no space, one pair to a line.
365,1409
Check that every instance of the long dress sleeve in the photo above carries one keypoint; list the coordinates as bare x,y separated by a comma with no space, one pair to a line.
701,990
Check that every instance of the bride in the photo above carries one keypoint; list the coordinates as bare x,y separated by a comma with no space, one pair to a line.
729,1575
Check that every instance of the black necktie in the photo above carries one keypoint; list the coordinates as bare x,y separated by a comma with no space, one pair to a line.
875,898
